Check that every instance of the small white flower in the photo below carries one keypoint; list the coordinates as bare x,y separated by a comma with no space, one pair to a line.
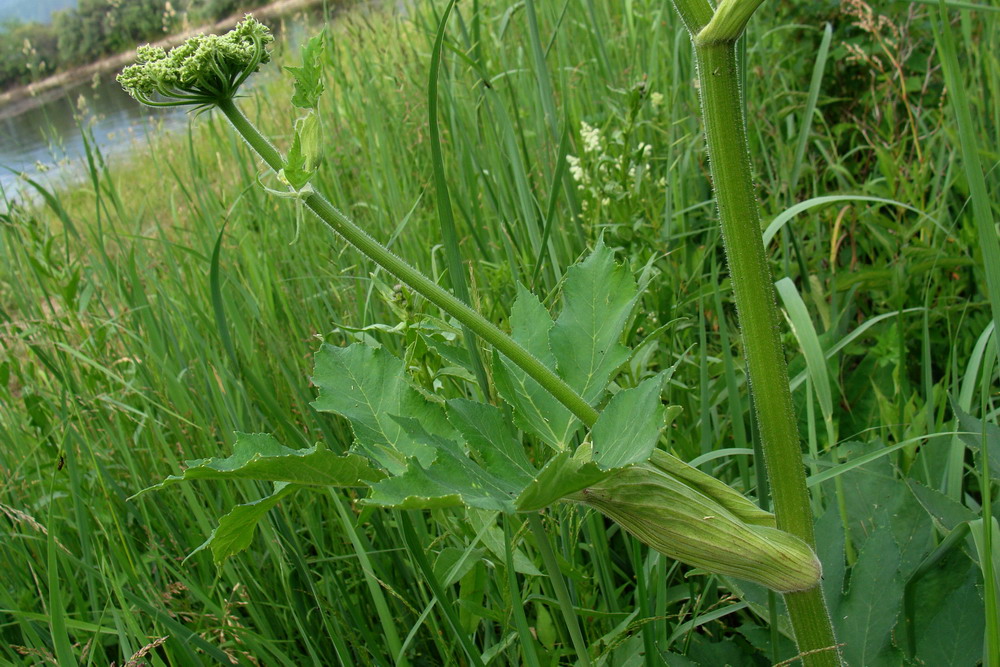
579,175
591,138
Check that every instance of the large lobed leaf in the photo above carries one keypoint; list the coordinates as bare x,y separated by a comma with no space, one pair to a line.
259,456
597,302
368,387
536,411
453,479
477,459
416,452
583,345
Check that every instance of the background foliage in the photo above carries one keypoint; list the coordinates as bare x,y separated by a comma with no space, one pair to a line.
161,306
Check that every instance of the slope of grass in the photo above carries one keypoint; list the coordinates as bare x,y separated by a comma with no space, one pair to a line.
169,302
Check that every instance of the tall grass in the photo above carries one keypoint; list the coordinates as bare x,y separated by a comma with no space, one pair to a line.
152,312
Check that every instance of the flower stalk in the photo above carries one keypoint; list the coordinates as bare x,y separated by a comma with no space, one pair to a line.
207,71
412,277
715,34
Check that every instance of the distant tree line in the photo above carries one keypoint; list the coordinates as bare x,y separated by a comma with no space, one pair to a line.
97,28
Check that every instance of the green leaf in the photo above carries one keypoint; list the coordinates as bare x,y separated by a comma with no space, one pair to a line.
260,456
945,512
309,77
536,411
950,621
975,434
489,433
629,427
830,547
565,473
236,529
453,479
483,524
872,489
707,653
450,557
598,298
367,386
869,610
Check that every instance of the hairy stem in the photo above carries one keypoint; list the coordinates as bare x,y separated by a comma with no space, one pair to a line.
753,285
414,279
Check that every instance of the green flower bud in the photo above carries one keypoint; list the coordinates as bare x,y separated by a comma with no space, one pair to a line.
202,71
690,516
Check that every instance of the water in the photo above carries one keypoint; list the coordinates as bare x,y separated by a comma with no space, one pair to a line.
46,143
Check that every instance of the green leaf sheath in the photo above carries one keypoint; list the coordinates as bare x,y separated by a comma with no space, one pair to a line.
753,287
413,278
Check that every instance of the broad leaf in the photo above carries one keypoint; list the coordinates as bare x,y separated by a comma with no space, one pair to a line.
489,433
565,473
949,619
236,529
945,512
830,547
453,479
873,489
976,433
367,386
536,411
259,456
869,610
598,298
629,427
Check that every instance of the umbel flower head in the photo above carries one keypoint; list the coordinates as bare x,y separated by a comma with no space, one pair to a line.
203,71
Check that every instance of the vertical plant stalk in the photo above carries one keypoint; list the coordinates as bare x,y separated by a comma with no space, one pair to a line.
715,35
562,593
413,278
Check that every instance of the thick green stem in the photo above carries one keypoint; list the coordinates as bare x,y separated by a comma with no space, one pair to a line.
753,285
416,280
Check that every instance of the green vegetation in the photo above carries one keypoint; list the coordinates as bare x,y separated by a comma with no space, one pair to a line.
94,29
148,321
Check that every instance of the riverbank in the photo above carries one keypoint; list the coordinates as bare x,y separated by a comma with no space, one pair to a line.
24,98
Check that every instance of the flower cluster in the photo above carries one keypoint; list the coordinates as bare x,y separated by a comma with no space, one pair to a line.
612,176
203,71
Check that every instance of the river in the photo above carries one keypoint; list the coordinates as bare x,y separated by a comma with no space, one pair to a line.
46,143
